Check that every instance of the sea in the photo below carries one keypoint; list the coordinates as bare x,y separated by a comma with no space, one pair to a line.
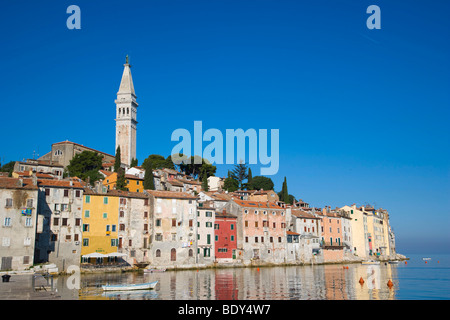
413,279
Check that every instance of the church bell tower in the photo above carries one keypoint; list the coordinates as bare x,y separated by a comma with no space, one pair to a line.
126,110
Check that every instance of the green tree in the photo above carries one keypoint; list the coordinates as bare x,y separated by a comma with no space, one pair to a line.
230,184
117,161
149,183
205,182
249,185
120,182
239,173
134,163
86,164
261,182
8,167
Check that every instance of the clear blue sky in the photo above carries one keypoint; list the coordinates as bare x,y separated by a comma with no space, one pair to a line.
363,114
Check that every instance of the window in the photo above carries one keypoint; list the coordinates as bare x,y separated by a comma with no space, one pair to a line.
29,203
256,224
27,241
105,215
232,226
85,242
274,225
279,239
56,221
216,226
6,242
271,239
66,192
174,222
108,228
47,191
246,223
121,227
28,222
232,238
113,228
216,237
190,222
158,237
208,239
7,222
158,253
256,239
64,207
158,222
87,199
246,239
114,242
9,202
77,193
208,214
85,227
209,224
105,200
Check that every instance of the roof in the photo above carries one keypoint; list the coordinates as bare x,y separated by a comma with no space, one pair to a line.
189,181
60,183
171,194
257,204
292,233
116,193
106,172
302,214
132,176
14,183
80,145
221,214
218,196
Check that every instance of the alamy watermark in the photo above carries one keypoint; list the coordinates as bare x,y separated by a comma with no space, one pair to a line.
258,147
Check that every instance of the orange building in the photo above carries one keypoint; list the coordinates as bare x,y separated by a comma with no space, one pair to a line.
132,182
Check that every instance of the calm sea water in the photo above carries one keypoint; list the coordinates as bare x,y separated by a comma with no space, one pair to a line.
413,280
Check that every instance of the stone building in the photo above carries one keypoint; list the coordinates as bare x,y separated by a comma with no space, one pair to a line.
205,232
18,204
261,231
174,233
59,231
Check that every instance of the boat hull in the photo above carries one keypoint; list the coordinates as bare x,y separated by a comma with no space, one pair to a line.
142,286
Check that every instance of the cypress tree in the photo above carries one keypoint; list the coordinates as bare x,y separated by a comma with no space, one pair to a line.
117,161
205,182
249,180
285,192
149,183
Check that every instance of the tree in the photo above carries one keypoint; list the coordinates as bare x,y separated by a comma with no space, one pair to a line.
117,161
205,182
120,182
8,167
239,173
86,164
230,184
134,163
249,184
261,182
149,183
284,192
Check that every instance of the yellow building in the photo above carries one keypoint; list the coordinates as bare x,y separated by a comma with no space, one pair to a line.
100,223
132,182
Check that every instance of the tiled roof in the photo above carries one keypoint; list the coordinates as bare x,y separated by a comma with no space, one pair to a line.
292,233
170,194
302,214
116,193
257,204
60,183
13,183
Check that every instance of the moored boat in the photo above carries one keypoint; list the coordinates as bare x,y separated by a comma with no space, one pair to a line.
370,262
127,287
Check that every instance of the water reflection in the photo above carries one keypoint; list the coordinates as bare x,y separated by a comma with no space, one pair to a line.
332,282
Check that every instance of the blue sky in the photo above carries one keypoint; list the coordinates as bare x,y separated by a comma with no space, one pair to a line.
363,114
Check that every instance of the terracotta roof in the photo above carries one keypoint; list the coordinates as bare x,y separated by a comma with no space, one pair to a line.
189,181
257,204
116,193
170,194
132,176
292,233
13,183
218,196
80,145
302,214
175,182
106,172
60,183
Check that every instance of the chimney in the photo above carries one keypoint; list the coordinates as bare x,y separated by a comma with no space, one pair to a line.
34,178
20,183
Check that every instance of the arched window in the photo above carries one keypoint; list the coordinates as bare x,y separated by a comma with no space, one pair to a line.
191,252
158,253
173,254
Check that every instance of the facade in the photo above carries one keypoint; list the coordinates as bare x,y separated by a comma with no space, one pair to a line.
225,236
18,204
126,112
261,231
264,195
174,220
100,223
215,183
133,183
59,233
39,166
63,152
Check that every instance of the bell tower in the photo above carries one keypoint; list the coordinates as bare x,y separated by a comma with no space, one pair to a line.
126,110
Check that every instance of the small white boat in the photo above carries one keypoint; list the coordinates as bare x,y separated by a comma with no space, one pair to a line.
370,262
154,270
426,259
127,287
394,262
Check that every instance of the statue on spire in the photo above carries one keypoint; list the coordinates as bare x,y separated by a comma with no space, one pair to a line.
127,60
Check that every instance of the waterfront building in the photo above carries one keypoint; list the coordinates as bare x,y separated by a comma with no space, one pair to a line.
331,231
261,231
174,233
205,232
59,234
18,204
100,222
225,236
